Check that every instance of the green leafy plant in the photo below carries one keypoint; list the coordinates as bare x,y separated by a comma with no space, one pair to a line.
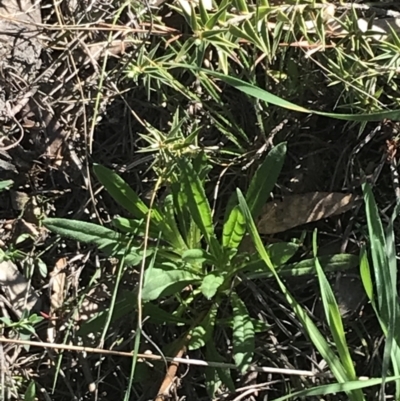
194,261
189,252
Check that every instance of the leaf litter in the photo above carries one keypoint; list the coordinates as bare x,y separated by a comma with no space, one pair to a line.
296,210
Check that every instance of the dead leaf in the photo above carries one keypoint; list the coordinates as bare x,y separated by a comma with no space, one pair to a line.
295,210
57,286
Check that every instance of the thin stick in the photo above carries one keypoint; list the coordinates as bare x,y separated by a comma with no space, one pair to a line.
152,357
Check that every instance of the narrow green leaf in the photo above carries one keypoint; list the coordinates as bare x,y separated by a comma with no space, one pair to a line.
334,321
81,231
203,13
121,192
180,209
212,381
270,98
130,226
259,190
378,251
30,393
265,179
198,204
243,334
193,18
203,332
314,334
333,263
241,34
365,274
42,268
234,229
335,388
241,6
174,237
109,241
248,27
219,15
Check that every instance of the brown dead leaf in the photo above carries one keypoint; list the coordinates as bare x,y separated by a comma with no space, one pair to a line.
57,285
295,210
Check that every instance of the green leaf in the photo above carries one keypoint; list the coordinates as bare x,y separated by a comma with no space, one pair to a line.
365,273
383,252
124,195
212,381
219,15
109,241
270,98
5,184
202,333
204,17
210,284
265,178
174,236
197,256
121,192
334,320
180,209
42,268
198,204
332,263
234,229
82,231
259,191
159,282
378,251
193,19
7,321
130,226
30,393
243,334
281,252
334,388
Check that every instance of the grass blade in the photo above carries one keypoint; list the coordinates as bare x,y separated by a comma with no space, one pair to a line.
314,334
335,323
270,98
